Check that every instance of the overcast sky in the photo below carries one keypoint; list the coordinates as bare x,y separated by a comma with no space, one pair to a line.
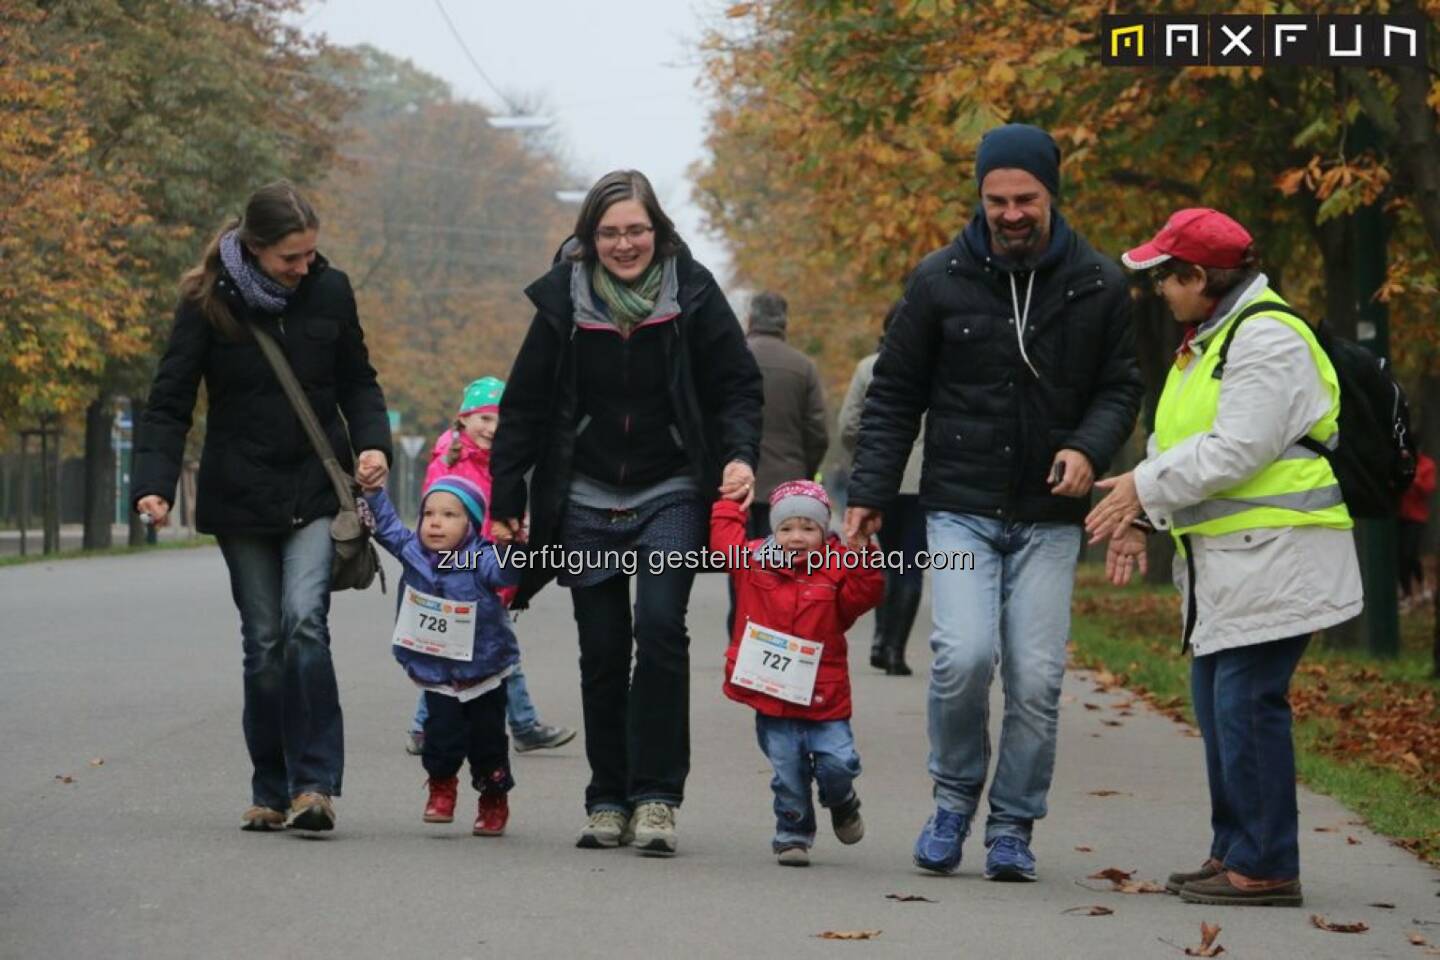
620,77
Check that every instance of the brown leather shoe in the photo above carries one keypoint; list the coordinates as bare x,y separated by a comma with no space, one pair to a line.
1230,889
312,811
1208,869
260,819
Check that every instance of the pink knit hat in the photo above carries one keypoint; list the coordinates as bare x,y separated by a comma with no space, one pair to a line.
799,498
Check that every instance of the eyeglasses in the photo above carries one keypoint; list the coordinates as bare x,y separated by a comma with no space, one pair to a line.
1159,275
634,233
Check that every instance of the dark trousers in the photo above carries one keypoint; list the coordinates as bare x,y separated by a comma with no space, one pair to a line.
292,721
1244,715
1408,535
757,525
473,730
637,729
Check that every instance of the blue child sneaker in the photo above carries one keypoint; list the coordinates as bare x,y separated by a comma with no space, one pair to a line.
1009,860
938,847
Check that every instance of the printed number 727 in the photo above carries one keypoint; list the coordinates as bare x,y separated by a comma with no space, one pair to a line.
774,660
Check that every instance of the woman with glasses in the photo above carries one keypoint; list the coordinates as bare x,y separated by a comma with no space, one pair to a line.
635,403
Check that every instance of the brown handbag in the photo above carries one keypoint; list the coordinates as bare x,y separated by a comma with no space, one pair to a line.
355,562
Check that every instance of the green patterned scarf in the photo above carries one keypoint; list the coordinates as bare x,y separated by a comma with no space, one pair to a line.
629,303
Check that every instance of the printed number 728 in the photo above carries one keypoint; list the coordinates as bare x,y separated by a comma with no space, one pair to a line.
437,624
774,660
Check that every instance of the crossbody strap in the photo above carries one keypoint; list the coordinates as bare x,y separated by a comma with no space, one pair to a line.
301,405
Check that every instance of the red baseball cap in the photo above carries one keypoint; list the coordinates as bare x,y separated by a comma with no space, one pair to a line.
1198,235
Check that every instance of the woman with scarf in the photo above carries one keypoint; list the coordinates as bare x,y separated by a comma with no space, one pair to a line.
636,403
263,491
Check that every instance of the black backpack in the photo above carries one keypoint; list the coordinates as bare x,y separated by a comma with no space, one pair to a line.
1375,461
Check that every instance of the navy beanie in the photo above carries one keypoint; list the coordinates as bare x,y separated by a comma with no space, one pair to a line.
1022,147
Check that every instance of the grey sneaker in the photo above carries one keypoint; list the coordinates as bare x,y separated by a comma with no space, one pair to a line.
655,829
793,857
542,736
605,828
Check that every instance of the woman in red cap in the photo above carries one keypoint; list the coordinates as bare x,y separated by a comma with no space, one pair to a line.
1236,471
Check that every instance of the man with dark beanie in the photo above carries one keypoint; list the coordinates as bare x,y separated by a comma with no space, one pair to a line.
1015,340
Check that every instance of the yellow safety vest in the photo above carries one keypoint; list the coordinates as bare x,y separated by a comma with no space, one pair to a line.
1298,489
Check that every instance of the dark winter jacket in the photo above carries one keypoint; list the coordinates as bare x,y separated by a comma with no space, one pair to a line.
475,578
993,428
680,395
258,471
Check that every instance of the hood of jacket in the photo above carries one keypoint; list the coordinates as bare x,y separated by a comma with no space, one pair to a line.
975,239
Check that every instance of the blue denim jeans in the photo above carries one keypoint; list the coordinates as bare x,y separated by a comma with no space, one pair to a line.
1244,715
802,751
519,710
292,722
1012,607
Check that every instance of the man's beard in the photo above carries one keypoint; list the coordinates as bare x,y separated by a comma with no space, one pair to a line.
1022,250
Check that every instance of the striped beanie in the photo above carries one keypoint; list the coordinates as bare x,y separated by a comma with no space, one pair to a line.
799,498
466,492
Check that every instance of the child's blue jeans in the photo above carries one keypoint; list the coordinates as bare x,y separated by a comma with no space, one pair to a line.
801,751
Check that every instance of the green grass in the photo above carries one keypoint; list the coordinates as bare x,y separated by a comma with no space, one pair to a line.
189,544
1134,634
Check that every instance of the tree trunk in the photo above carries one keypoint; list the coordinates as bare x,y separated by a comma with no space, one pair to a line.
138,531
99,474
1418,146
50,484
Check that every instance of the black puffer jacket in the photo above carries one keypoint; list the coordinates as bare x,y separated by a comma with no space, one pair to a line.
258,471
993,427
712,391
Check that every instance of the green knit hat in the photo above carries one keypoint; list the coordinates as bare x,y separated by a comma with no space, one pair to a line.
481,396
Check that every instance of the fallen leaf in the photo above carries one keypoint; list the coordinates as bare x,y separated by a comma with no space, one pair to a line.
1352,841
908,898
1359,926
1114,874
98,762
848,934
1092,706
1324,829
64,778
1108,793
1383,906
1208,947
1418,941
1084,850
1092,911
1112,723
1140,886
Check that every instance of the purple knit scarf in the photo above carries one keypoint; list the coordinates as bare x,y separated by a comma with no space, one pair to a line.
257,289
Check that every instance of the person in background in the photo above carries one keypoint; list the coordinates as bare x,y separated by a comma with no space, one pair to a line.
904,528
1410,532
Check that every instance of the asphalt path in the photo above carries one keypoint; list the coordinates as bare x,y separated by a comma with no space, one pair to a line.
123,774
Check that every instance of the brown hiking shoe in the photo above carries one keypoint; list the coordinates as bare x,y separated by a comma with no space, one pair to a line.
1223,890
261,819
312,811
1208,869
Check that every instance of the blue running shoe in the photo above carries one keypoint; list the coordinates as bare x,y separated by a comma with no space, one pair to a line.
938,847
1009,861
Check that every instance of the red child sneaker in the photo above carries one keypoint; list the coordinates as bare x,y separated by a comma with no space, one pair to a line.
493,814
440,808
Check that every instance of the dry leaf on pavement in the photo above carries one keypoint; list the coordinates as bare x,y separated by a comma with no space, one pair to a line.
1319,920
1418,940
1208,947
908,898
64,778
1091,911
1084,850
1108,793
848,934
98,762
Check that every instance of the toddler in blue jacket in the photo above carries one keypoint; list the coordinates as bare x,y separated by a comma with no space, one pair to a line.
453,638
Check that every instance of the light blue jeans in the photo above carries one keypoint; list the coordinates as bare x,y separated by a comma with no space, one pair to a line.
801,751
519,710
1012,607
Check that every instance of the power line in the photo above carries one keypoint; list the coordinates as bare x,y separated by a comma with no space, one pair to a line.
471,57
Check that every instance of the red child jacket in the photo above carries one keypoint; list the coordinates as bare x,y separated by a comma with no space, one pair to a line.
820,606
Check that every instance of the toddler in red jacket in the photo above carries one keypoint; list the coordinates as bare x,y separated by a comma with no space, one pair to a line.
796,593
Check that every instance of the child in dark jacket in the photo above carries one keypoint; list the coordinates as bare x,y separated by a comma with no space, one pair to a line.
790,623
453,638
